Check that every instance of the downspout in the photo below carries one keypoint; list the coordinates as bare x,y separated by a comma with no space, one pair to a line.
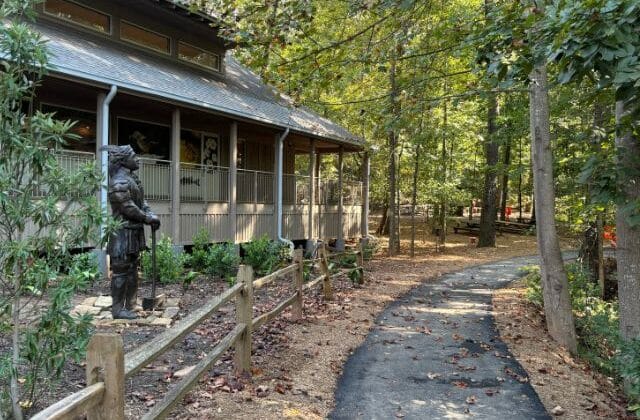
104,156
279,169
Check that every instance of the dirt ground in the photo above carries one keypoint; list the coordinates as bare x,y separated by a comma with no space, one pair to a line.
558,378
296,364
299,381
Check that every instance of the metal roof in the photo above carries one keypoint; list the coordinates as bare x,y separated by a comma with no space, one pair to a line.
238,92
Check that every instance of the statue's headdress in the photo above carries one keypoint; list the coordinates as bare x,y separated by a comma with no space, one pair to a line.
118,154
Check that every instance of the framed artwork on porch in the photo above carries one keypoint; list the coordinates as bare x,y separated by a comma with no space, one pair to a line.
149,140
210,149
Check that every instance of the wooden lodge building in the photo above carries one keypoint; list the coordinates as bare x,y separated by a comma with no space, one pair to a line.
218,147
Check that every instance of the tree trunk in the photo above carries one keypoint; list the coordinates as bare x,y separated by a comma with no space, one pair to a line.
628,233
393,240
505,180
414,199
520,219
555,287
489,196
383,227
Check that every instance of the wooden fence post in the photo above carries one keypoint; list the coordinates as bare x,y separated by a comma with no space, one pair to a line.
105,363
324,267
244,315
298,278
361,247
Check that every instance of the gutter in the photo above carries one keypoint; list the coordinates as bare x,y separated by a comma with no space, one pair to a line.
104,135
280,170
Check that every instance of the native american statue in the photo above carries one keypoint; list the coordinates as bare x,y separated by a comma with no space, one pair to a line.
128,206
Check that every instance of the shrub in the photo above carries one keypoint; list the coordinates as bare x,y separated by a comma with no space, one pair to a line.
264,255
198,260
628,364
170,265
85,267
222,260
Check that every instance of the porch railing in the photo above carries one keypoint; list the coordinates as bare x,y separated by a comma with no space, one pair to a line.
254,187
203,183
155,175
69,161
295,189
329,193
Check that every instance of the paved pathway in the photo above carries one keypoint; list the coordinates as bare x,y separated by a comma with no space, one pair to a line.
435,354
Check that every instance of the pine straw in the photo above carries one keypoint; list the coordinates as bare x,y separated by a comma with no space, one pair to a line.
298,380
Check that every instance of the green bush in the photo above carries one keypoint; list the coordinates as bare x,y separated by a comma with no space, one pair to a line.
264,255
198,259
222,260
84,267
628,364
170,265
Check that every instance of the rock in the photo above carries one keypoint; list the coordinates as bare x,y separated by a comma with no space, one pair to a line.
173,302
103,301
170,312
89,301
557,410
83,309
183,372
166,322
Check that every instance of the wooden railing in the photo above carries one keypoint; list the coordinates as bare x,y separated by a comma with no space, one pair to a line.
108,367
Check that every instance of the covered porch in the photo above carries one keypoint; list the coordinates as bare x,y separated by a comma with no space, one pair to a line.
237,179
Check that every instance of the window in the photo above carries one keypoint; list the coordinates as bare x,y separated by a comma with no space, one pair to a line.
148,140
80,15
144,37
84,128
198,56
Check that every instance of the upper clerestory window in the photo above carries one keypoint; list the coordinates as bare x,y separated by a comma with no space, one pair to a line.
81,15
198,56
144,37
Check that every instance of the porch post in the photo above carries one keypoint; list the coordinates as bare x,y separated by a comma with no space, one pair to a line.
366,171
340,238
175,177
277,205
102,139
319,193
312,195
233,175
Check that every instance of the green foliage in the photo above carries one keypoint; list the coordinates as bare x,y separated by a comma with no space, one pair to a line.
264,255
85,267
629,369
347,260
169,264
222,260
356,275
199,251
38,233
370,249
188,279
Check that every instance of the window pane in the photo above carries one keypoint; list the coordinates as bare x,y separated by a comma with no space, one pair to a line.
147,140
81,15
198,56
85,127
144,37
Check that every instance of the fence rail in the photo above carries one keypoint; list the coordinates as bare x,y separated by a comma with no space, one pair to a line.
108,366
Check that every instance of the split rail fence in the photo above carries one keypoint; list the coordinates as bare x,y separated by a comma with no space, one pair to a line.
107,367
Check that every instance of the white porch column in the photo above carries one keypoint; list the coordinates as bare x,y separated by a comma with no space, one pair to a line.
175,176
278,169
233,175
312,195
102,158
319,194
366,171
340,238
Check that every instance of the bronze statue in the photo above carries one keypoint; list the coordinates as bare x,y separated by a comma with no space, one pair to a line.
128,205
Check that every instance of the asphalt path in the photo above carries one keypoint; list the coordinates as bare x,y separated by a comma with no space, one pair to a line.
435,353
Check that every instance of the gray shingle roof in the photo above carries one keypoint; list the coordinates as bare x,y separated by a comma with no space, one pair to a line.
238,92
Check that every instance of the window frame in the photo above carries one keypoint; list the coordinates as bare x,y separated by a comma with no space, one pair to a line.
123,22
194,63
109,32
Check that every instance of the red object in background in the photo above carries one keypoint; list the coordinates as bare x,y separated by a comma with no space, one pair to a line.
507,212
610,235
